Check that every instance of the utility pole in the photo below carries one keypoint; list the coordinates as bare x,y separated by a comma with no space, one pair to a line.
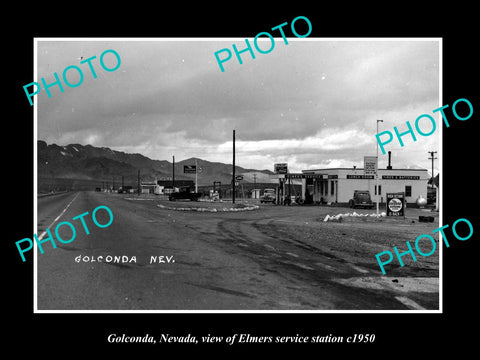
432,154
173,175
254,185
376,171
196,176
233,171
138,182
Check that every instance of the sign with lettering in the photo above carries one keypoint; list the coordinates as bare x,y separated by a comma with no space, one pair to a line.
306,176
400,177
396,204
280,168
189,169
360,177
369,165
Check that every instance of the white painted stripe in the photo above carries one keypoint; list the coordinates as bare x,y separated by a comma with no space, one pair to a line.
409,303
58,217
359,269
35,253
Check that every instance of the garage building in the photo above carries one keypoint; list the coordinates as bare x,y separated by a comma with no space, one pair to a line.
336,185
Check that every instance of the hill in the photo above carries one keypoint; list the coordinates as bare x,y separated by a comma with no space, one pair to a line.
92,164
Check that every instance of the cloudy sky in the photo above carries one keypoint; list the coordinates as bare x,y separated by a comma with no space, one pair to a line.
312,103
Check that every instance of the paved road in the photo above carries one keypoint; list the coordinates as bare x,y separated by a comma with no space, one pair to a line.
256,260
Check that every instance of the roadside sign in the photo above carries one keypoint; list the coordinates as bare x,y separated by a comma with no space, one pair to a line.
396,204
189,169
280,168
239,177
370,165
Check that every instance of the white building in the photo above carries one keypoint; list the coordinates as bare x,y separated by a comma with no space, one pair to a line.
337,185
151,188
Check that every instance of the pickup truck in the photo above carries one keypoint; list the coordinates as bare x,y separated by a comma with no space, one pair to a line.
268,196
184,194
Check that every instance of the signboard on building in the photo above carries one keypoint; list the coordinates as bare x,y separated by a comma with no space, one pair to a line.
306,176
189,169
369,165
360,177
396,204
400,177
280,168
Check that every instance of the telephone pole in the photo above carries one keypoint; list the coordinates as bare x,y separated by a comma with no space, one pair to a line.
196,176
432,154
233,171
138,182
173,175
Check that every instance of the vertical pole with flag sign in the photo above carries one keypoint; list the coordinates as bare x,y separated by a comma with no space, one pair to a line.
376,166
370,166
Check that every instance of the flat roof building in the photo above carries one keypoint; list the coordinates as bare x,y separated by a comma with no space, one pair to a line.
337,185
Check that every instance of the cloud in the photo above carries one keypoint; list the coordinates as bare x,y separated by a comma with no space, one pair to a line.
309,102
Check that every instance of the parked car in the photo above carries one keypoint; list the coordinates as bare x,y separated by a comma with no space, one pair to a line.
361,198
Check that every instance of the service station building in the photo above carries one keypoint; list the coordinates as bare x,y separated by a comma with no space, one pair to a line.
337,185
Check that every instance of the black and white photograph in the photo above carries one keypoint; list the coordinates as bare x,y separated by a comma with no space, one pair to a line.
171,178
222,180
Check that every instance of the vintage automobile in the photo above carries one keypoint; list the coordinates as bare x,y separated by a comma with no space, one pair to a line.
268,196
361,198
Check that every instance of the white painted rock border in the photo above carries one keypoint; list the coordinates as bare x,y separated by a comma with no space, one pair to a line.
339,217
200,209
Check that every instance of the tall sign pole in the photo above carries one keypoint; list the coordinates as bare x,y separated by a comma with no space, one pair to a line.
376,171
233,171
432,154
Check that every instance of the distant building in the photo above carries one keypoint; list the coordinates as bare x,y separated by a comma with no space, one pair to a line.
151,188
